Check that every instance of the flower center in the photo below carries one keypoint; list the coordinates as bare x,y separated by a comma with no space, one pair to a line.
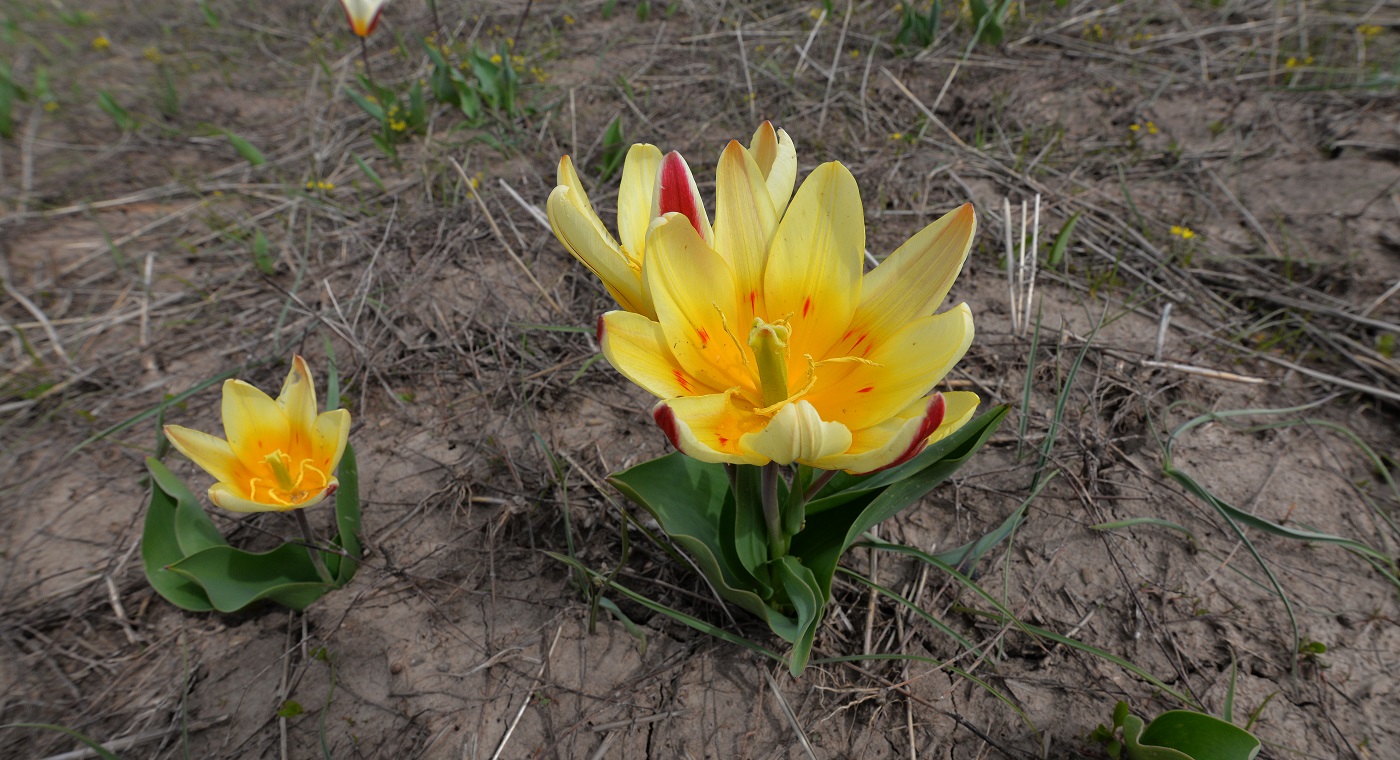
287,486
770,348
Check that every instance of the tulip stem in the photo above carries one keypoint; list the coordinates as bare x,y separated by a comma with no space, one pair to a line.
311,549
818,483
777,540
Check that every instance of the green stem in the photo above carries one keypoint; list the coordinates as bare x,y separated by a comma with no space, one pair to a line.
772,512
818,483
311,549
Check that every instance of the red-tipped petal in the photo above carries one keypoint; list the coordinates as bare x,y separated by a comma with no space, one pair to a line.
666,420
933,417
676,191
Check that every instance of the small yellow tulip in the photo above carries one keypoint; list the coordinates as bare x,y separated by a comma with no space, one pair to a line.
280,455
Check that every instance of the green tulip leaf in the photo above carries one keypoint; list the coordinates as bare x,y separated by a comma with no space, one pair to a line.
159,545
746,530
233,578
832,531
809,601
347,520
689,498
1187,735
194,531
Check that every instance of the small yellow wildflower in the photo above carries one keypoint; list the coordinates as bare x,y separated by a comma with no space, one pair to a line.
476,180
319,185
496,58
759,48
1151,128
539,74
510,42
518,61
51,106
815,13
153,55
568,20
100,43
896,135
1134,127
1368,31
855,53
1185,233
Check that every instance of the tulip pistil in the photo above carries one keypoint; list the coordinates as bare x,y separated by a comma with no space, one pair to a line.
770,344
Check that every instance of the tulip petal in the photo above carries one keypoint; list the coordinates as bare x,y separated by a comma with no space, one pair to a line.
709,428
797,433
744,225
814,267
634,199
225,496
636,347
914,280
330,434
891,442
298,402
901,369
597,251
693,291
777,159
255,424
675,191
959,406
211,453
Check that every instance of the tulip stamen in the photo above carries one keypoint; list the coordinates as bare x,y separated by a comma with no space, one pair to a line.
724,322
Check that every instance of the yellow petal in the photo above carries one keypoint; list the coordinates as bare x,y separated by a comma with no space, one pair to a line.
915,279
693,291
708,428
902,369
675,191
331,431
777,159
797,433
814,267
744,225
905,435
298,402
599,252
211,453
226,496
634,198
961,405
255,424
637,347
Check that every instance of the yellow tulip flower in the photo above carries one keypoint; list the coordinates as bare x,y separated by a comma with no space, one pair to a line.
769,344
363,15
652,184
280,455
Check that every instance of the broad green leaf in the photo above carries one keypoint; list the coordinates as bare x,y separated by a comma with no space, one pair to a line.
234,579
194,531
688,497
1061,244
347,519
809,601
1186,735
747,531
830,533
159,547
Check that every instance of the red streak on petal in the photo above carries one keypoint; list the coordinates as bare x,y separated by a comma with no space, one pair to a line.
676,193
723,440
704,337
859,340
806,306
666,420
933,417
601,329
681,378
753,299
866,389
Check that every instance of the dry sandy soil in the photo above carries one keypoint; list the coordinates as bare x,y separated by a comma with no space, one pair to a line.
1269,130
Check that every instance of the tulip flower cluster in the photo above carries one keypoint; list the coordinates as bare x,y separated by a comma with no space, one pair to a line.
771,351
